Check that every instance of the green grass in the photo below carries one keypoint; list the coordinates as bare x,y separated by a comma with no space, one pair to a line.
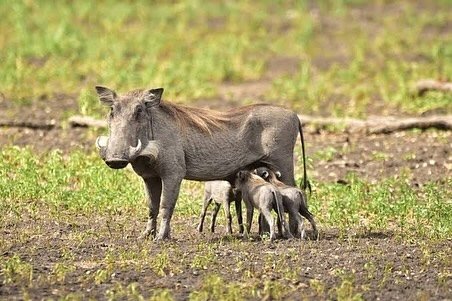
73,182
192,47
390,205
82,183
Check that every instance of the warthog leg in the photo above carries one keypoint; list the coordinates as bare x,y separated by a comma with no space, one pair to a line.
263,225
315,231
153,192
296,224
214,216
249,217
205,205
266,213
170,192
227,212
238,210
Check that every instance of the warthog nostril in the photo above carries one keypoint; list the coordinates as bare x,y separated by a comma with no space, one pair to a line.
117,163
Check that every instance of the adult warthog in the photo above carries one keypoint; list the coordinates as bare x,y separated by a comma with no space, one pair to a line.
166,143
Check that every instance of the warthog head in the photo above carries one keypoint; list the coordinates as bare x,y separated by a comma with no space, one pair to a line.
267,174
129,125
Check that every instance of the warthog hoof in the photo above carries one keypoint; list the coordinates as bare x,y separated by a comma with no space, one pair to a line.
145,234
272,237
162,236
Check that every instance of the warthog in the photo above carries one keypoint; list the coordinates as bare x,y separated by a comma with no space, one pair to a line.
166,143
264,196
294,202
221,193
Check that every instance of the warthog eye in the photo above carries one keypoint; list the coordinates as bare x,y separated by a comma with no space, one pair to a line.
138,111
111,112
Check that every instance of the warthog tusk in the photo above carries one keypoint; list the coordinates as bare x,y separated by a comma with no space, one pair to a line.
134,151
101,142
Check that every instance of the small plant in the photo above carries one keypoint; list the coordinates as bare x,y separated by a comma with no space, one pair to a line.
215,288
160,263
387,272
346,291
379,156
273,290
60,271
130,292
15,270
326,154
101,276
204,258
318,286
73,297
371,269
162,295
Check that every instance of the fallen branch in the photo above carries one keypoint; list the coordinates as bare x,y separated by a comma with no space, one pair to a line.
373,125
388,126
86,121
425,85
35,125
380,125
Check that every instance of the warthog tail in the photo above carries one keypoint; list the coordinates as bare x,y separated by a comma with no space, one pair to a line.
279,210
306,184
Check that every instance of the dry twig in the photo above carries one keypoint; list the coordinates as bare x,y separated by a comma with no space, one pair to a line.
425,85
86,121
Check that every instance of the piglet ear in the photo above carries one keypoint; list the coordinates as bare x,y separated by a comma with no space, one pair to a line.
241,175
278,174
265,175
106,95
152,97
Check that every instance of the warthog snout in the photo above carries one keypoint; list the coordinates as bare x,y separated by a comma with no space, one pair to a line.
116,163
115,160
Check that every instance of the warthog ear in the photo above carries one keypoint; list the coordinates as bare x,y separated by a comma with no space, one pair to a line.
152,97
278,174
106,95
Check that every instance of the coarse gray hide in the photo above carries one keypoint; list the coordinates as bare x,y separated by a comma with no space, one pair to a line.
166,143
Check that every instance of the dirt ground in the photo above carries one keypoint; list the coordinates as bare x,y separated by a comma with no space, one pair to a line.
379,266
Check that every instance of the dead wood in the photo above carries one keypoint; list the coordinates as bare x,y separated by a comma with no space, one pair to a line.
86,121
36,125
425,85
379,125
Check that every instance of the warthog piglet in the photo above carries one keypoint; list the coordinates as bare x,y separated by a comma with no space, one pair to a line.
221,193
294,202
259,194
